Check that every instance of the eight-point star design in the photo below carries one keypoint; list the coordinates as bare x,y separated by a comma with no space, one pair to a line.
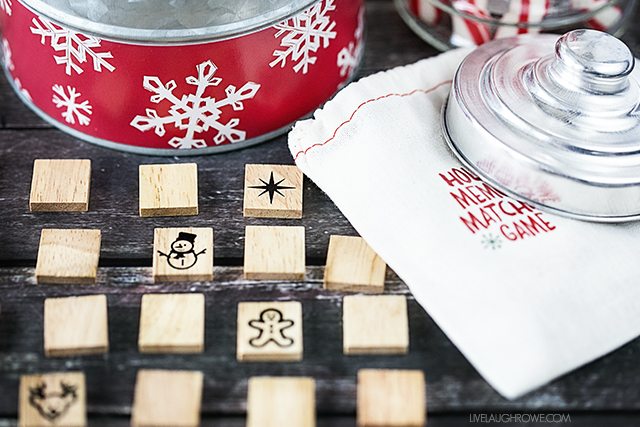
272,187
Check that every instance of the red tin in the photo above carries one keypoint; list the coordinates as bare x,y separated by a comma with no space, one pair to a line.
198,95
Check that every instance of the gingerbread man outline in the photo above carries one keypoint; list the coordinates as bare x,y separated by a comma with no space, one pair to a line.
272,326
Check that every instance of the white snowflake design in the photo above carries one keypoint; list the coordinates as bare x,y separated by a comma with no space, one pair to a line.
195,113
76,48
6,55
304,34
6,6
349,56
22,90
73,108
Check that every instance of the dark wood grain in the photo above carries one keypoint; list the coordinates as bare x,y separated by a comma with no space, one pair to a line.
603,393
434,420
453,385
114,199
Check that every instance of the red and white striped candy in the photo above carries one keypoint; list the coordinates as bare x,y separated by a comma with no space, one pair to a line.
426,11
524,12
603,20
468,31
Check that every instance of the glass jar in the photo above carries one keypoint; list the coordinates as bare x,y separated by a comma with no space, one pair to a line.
455,23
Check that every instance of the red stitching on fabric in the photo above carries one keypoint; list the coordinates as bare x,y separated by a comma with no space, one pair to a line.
335,132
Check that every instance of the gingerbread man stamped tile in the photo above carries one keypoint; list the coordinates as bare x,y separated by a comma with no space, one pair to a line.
269,331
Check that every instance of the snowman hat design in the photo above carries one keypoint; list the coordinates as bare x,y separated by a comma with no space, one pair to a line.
189,237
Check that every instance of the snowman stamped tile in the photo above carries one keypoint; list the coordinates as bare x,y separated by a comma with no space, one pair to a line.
182,254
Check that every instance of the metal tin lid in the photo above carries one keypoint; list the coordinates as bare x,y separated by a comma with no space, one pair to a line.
166,21
552,121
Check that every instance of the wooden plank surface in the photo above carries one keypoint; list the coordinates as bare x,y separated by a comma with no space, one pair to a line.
610,383
605,392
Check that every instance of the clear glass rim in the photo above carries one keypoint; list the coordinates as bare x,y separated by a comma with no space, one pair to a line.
165,36
559,21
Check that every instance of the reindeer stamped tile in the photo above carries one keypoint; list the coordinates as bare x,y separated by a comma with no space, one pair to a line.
272,191
53,399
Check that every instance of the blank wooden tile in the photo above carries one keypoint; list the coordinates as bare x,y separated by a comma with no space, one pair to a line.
169,189
269,331
53,399
272,191
375,324
60,185
182,254
281,402
353,266
68,256
274,253
167,398
391,398
75,325
171,323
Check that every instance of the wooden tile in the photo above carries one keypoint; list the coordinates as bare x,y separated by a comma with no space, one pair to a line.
182,254
169,189
274,253
269,331
167,398
375,324
281,402
68,256
60,185
54,399
272,191
353,266
171,323
75,325
391,398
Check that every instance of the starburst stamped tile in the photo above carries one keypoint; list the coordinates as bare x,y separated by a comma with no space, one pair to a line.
272,191
53,399
269,331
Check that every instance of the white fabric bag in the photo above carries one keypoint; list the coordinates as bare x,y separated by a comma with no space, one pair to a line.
526,296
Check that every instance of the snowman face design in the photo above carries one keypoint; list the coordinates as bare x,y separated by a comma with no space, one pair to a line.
181,246
182,255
